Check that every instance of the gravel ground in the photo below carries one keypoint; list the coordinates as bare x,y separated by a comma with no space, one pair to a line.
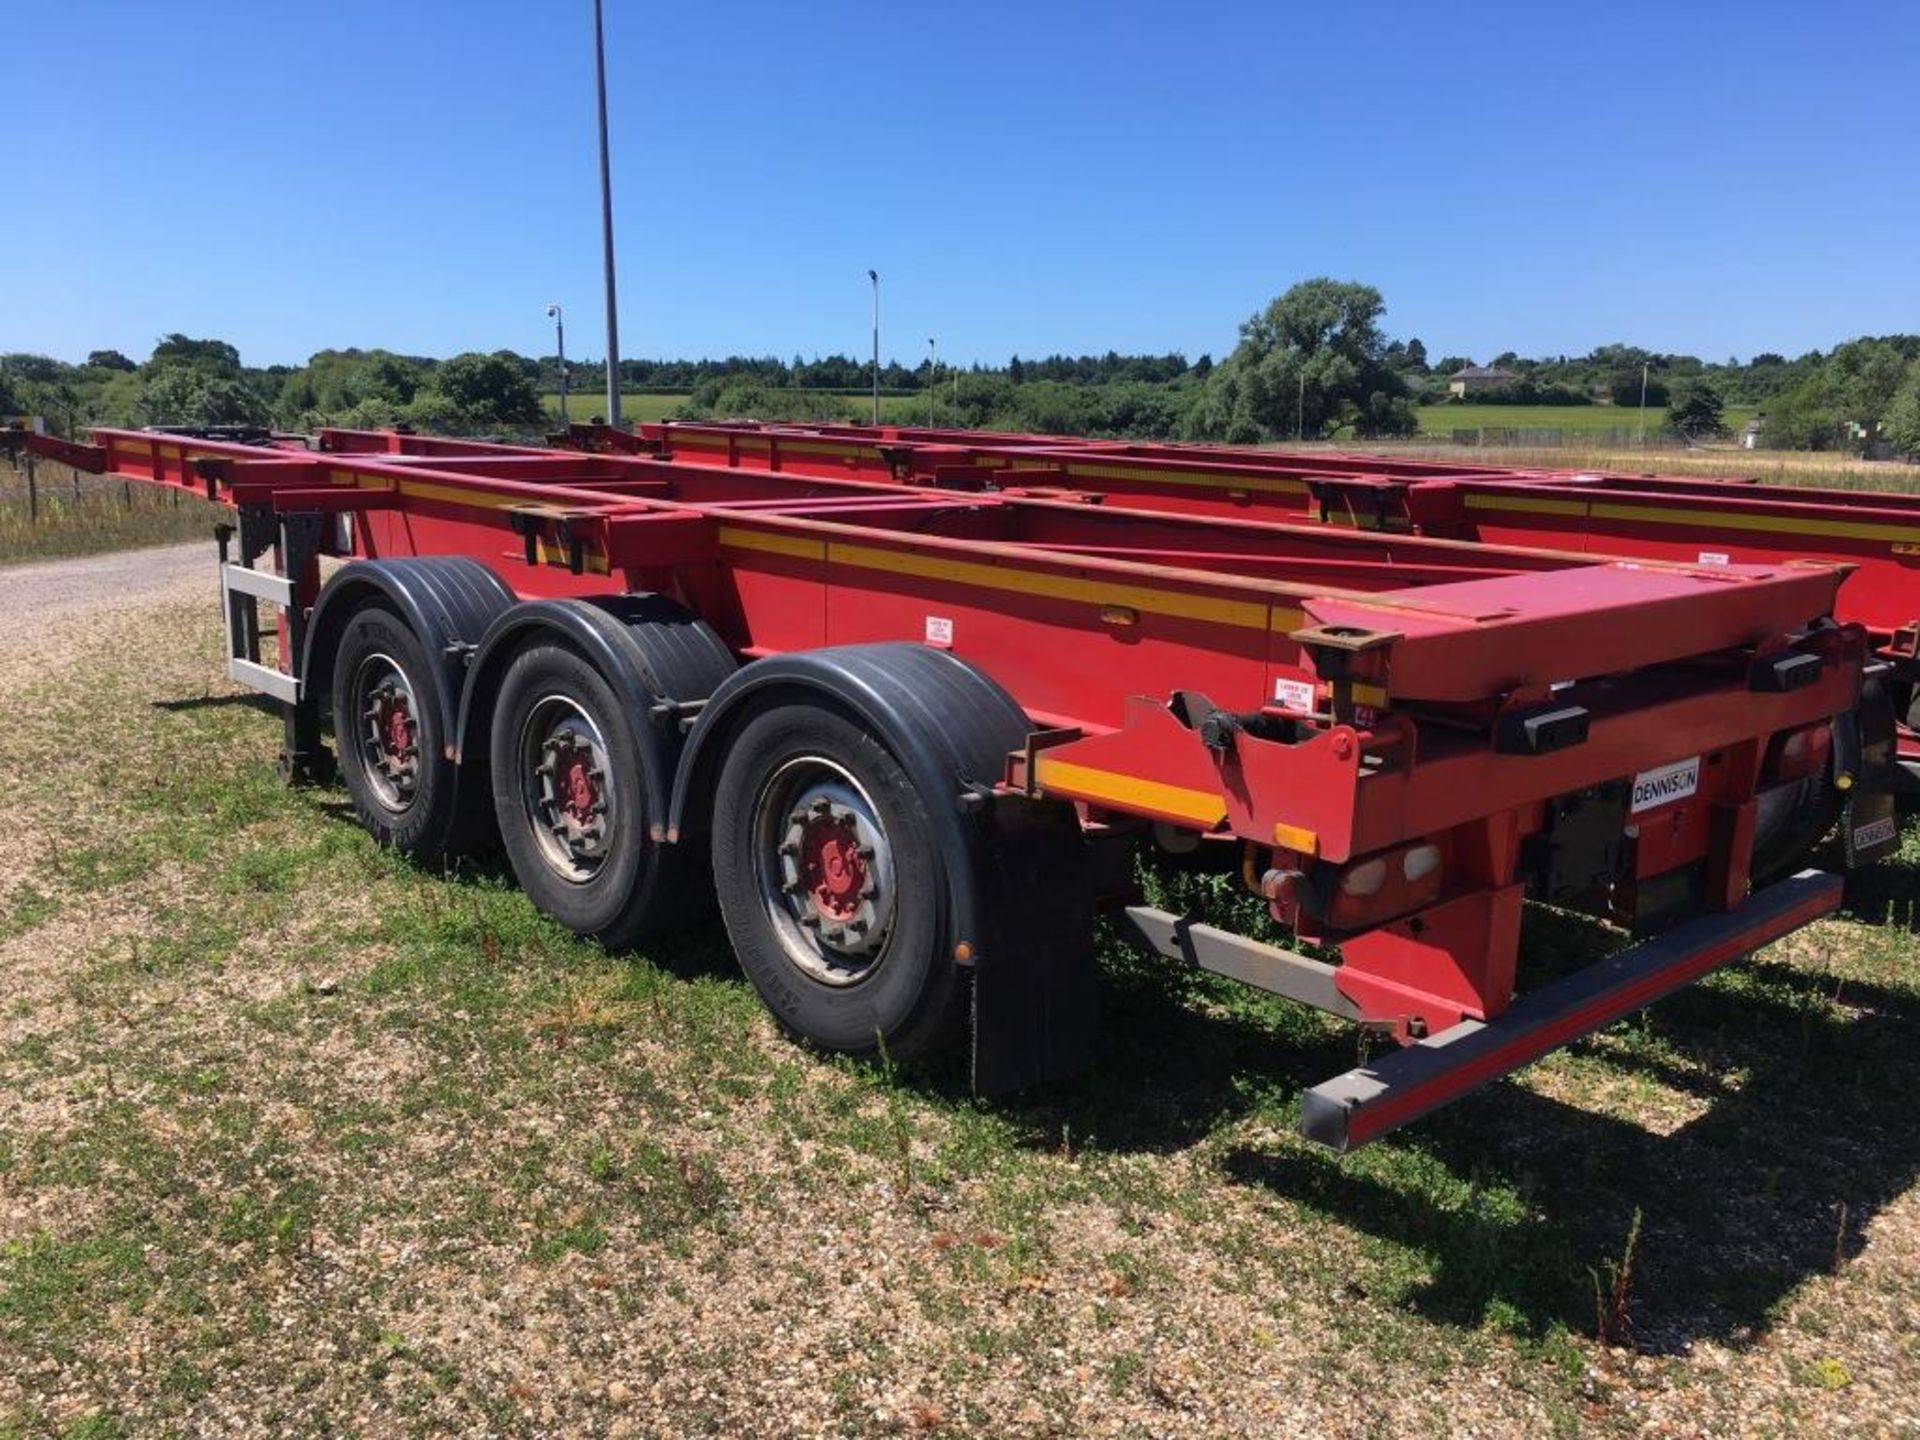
125,580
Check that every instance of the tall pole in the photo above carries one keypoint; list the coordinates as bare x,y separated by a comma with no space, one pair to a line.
560,348
1300,409
874,276
1643,402
606,224
933,369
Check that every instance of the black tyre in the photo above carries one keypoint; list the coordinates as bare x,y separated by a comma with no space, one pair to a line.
571,803
832,887
390,736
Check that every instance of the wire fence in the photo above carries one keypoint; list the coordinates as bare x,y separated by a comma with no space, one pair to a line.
49,509
1553,439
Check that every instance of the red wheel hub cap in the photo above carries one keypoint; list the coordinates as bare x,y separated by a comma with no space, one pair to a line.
396,728
832,870
577,789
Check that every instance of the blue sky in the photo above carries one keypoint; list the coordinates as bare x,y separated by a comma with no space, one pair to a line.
1028,177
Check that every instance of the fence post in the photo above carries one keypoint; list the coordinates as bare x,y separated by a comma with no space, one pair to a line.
126,494
33,493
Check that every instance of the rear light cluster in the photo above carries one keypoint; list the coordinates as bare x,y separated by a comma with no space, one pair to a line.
1360,894
1800,753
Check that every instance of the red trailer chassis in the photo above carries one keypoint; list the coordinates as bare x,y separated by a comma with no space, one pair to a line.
906,728
1663,517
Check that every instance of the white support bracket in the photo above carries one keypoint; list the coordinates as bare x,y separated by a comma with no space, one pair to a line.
240,586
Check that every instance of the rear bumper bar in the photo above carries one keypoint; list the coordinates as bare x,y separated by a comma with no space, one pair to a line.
1352,1109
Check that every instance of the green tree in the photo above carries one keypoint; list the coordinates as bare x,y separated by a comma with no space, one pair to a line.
1903,414
336,383
1311,363
748,399
196,382
482,393
1862,378
1697,410
1624,386
110,360
1802,418
216,356
184,394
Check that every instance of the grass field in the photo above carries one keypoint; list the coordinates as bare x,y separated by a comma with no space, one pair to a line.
81,514
1571,420
296,1138
1770,467
635,406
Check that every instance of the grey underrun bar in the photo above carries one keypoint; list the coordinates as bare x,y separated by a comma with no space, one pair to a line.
1361,1105
1265,967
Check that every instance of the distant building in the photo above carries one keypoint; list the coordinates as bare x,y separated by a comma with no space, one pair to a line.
1479,377
1750,433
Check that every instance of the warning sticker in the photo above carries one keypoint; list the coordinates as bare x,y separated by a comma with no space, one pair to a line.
1665,784
1295,695
939,630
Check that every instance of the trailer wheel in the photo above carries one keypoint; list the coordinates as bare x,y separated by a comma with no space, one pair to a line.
832,887
390,736
570,800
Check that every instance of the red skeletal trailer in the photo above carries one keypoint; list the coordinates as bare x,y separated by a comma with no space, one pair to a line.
909,701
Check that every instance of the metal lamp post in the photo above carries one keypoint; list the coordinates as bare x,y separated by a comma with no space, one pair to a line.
874,276
560,349
606,225
933,369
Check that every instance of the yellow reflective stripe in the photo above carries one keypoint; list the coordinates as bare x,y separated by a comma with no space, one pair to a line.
1365,694
1080,471
1201,807
1249,614
1734,520
1296,838
1713,519
773,543
1529,506
427,490
593,561
816,447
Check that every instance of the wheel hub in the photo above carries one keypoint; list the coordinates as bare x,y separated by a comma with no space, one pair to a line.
573,803
830,871
389,733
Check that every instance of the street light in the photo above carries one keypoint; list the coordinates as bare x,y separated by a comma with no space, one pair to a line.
933,369
874,276
560,348
606,225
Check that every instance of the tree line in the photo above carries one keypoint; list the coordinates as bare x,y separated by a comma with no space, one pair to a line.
1313,363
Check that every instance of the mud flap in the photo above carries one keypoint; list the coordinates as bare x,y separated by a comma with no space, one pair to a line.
1869,827
1035,981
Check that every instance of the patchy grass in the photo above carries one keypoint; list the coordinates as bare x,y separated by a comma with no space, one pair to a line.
1711,462
83,514
635,405
1572,421
294,1136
